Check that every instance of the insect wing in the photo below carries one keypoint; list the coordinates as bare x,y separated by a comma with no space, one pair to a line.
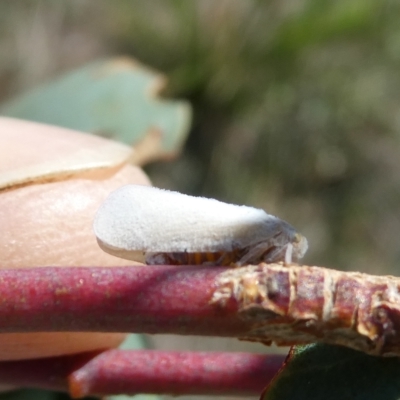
136,219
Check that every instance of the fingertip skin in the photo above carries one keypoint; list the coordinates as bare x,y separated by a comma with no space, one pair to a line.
52,181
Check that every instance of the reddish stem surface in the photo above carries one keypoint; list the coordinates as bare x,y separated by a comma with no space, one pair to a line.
175,373
267,302
162,299
45,373
145,371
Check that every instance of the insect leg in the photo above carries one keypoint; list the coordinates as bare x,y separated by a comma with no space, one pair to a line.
254,254
288,254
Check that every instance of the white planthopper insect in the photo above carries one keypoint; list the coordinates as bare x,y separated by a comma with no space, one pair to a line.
157,226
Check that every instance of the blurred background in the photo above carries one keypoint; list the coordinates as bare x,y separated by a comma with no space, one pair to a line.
296,103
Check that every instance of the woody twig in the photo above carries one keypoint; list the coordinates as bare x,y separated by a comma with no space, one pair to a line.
145,371
270,302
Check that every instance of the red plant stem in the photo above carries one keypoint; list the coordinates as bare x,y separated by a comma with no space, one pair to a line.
145,371
45,373
268,302
162,299
175,373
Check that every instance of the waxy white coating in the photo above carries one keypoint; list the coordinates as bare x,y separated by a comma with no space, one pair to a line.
135,220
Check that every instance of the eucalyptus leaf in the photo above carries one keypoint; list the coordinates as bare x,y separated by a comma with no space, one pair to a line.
118,99
316,372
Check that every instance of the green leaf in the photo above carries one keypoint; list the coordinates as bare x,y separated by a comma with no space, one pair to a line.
117,99
33,394
335,373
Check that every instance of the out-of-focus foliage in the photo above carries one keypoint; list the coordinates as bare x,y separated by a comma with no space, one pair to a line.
297,111
33,394
317,372
116,98
297,103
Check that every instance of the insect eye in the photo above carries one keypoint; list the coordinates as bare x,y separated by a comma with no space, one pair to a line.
297,238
